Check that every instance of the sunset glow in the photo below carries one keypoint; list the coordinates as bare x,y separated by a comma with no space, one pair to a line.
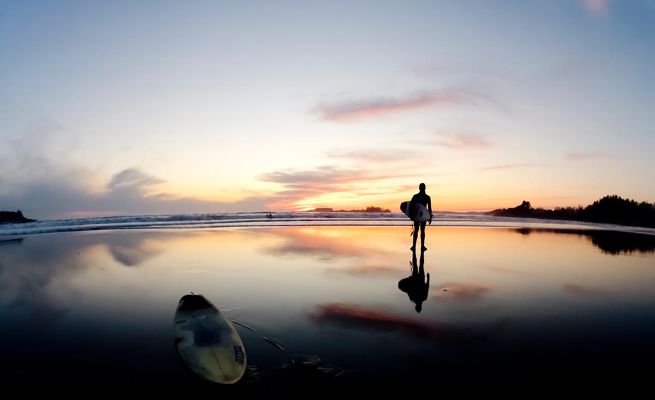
112,108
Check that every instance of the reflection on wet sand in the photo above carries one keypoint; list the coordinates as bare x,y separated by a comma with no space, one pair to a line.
416,285
460,291
9,242
364,271
35,270
580,290
332,291
353,316
133,250
323,244
610,242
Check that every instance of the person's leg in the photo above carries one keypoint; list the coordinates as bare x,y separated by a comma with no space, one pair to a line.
423,236
416,226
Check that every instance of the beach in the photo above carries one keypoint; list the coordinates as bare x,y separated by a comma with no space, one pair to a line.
323,305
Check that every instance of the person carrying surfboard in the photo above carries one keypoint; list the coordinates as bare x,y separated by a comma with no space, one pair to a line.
420,198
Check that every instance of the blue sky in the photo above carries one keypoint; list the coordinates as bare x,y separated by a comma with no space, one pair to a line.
155,107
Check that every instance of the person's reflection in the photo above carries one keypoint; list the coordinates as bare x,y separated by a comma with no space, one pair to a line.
416,286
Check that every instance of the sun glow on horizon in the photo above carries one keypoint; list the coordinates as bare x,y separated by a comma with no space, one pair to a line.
250,108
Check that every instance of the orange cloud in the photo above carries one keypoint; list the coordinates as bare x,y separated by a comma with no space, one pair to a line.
301,185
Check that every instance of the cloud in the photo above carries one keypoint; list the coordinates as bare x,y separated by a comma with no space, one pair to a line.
126,193
323,175
585,156
378,156
598,8
508,166
38,178
358,317
303,184
355,110
460,291
462,141
132,178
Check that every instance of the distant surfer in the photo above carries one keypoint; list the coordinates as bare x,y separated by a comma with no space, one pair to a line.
416,286
420,198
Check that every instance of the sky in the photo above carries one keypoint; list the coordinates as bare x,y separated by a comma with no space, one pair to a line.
151,107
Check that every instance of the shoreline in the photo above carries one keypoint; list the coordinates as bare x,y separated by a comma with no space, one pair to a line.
478,221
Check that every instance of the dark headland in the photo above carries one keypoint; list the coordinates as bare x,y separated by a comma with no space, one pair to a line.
609,209
11,217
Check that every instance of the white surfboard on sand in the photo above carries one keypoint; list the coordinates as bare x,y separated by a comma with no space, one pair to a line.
208,342
415,211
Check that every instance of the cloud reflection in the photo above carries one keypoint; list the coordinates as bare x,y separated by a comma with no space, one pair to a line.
133,250
29,269
353,316
308,243
460,291
575,289
365,270
35,271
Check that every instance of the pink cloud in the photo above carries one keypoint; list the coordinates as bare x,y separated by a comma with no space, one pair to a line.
379,156
355,110
462,141
301,184
508,166
598,8
585,156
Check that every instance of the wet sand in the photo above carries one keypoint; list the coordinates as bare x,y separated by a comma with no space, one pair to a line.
333,306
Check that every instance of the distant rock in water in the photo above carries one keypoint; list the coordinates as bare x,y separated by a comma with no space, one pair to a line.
609,209
11,217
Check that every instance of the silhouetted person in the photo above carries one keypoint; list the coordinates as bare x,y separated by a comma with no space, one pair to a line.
415,285
421,198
